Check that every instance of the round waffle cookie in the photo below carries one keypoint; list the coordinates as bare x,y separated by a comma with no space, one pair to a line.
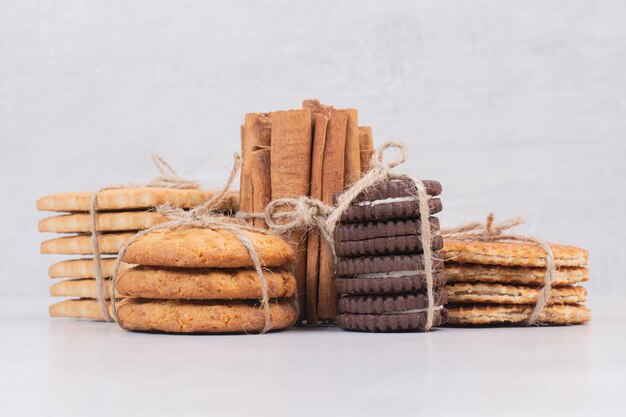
476,315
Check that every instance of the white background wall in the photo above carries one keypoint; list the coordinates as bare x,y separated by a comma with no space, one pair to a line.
517,107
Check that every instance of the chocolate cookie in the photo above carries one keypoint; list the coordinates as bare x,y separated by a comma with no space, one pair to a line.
385,246
350,267
390,322
386,284
394,189
380,304
372,230
374,211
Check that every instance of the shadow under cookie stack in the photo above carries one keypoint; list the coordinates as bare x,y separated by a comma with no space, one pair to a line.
380,260
121,213
203,281
492,283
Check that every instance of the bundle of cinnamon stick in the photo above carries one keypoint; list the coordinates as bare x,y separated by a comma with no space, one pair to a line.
315,151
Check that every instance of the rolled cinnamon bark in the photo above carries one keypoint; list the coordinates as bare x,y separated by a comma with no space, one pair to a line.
261,182
290,168
352,157
245,186
367,147
332,182
313,244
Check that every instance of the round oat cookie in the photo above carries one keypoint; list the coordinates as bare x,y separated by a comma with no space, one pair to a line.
511,254
203,284
206,248
386,284
412,322
379,304
472,315
202,316
511,294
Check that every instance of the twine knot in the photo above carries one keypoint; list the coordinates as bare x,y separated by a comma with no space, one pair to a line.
169,178
490,232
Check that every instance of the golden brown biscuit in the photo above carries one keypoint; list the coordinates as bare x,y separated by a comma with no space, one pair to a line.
77,309
206,248
495,274
110,243
106,222
202,316
486,314
133,198
80,288
203,284
511,294
507,253
83,268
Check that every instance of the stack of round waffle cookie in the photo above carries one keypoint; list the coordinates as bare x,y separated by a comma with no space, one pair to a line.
500,282
380,266
121,213
203,281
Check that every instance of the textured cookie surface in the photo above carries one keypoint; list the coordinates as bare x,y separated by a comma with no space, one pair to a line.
514,254
516,314
389,322
373,230
512,274
377,304
385,246
77,309
394,189
511,294
83,268
388,211
201,316
110,243
203,284
206,248
386,285
106,222
346,267
132,198
80,288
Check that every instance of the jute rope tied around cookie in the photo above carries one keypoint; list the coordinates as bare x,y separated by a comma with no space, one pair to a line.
490,232
205,216
169,178
310,213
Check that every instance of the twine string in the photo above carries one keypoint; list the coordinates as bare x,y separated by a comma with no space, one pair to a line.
490,232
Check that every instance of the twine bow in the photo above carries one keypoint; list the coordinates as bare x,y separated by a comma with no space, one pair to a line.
306,212
490,232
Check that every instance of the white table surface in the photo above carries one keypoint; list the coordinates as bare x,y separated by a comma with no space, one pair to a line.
77,368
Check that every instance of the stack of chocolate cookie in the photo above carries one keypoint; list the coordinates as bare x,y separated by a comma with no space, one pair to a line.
122,212
380,265
203,281
500,282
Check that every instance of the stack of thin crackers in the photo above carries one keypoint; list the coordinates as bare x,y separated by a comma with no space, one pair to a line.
499,283
203,281
121,213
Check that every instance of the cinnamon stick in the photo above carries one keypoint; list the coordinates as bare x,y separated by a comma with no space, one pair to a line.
332,182
366,141
245,186
313,244
261,183
290,168
352,164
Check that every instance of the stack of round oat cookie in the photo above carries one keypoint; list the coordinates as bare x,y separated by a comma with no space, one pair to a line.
380,266
204,281
121,213
500,282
